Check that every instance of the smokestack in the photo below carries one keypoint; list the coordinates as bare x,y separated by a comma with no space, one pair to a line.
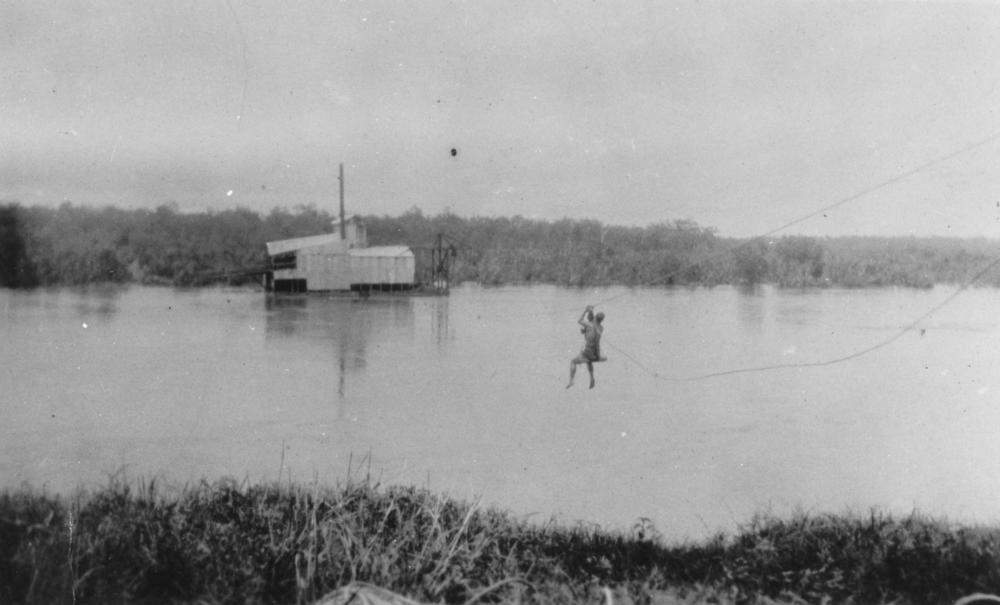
343,225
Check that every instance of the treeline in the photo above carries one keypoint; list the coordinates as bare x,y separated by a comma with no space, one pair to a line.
589,253
566,252
72,245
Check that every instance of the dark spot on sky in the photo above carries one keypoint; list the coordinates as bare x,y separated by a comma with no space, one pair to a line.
454,152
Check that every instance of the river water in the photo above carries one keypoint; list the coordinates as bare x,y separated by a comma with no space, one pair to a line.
466,395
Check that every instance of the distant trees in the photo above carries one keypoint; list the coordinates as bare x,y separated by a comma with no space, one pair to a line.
568,252
16,269
79,245
750,262
75,245
798,262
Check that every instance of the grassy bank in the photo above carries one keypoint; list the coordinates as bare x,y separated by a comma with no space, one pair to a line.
233,543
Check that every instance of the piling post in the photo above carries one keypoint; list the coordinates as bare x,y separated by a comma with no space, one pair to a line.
343,227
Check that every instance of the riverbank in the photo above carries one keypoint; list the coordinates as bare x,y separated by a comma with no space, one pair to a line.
77,245
237,543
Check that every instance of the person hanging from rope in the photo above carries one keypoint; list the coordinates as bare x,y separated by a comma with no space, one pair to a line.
592,329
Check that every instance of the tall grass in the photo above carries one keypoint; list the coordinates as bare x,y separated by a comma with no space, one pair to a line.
229,542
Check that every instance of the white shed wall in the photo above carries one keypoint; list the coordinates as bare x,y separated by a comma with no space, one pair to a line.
324,271
383,269
333,267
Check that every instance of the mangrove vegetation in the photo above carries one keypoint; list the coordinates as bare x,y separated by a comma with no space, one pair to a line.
73,245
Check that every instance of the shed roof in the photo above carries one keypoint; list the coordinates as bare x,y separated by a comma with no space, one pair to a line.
298,243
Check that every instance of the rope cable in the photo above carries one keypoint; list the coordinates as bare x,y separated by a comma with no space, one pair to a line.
827,208
812,364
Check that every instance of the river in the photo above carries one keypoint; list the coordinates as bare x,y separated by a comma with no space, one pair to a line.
466,395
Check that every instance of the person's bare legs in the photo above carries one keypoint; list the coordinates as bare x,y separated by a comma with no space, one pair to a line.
590,368
572,368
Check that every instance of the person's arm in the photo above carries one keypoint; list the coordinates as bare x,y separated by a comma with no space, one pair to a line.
585,324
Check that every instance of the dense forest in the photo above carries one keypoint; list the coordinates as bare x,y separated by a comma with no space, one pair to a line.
72,245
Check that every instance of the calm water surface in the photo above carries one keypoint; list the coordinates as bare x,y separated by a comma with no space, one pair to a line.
466,395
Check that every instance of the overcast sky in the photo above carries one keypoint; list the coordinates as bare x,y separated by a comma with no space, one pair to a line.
740,116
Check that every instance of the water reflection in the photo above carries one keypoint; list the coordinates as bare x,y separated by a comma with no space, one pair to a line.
442,330
798,311
343,329
99,300
750,305
92,302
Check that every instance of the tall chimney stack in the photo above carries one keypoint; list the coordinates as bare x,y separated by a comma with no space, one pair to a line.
343,226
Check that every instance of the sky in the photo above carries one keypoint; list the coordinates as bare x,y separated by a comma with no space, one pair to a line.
739,116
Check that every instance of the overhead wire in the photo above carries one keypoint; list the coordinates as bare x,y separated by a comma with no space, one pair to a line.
869,190
898,334
826,362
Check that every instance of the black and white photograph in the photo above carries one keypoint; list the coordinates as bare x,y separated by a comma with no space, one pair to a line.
545,302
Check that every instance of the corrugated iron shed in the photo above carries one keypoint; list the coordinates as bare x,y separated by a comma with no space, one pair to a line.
326,263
